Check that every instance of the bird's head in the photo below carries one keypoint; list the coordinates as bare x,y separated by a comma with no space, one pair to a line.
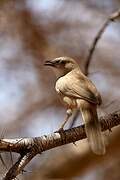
62,65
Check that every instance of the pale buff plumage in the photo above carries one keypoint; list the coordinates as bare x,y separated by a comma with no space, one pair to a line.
78,92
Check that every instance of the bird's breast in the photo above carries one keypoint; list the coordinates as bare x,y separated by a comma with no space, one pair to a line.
59,86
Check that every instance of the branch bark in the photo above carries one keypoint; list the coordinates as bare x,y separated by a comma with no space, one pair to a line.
30,147
83,163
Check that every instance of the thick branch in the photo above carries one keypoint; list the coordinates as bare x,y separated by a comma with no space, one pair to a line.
83,163
29,147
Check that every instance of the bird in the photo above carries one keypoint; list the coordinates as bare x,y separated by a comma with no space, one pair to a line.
77,92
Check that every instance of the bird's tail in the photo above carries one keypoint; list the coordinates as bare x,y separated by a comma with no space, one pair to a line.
92,127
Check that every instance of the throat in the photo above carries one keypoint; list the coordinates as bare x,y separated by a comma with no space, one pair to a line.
59,73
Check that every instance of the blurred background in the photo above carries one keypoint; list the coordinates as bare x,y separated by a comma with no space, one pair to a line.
32,31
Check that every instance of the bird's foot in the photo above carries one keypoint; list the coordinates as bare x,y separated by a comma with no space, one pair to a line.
59,130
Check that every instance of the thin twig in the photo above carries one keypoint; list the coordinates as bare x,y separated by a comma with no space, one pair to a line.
110,19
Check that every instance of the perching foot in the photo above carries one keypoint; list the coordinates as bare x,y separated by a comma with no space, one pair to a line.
59,130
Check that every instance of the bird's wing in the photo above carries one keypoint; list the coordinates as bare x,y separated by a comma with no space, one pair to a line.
78,87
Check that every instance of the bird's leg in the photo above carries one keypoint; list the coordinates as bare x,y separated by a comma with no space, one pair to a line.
68,114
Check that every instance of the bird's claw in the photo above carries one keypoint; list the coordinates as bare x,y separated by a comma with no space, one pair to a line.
59,130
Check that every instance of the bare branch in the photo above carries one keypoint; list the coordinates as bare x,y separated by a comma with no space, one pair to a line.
30,147
110,19
18,167
82,163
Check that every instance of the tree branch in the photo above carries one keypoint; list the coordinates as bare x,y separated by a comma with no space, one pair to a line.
110,19
30,147
83,163
18,167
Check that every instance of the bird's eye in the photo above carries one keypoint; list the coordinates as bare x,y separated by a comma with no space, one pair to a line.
57,61
63,62
60,62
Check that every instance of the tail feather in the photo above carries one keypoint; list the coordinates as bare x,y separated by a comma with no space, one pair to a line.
92,127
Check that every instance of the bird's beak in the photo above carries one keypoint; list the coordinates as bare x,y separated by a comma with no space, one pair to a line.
49,63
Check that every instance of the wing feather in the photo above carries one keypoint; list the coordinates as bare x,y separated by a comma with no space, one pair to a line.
77,86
